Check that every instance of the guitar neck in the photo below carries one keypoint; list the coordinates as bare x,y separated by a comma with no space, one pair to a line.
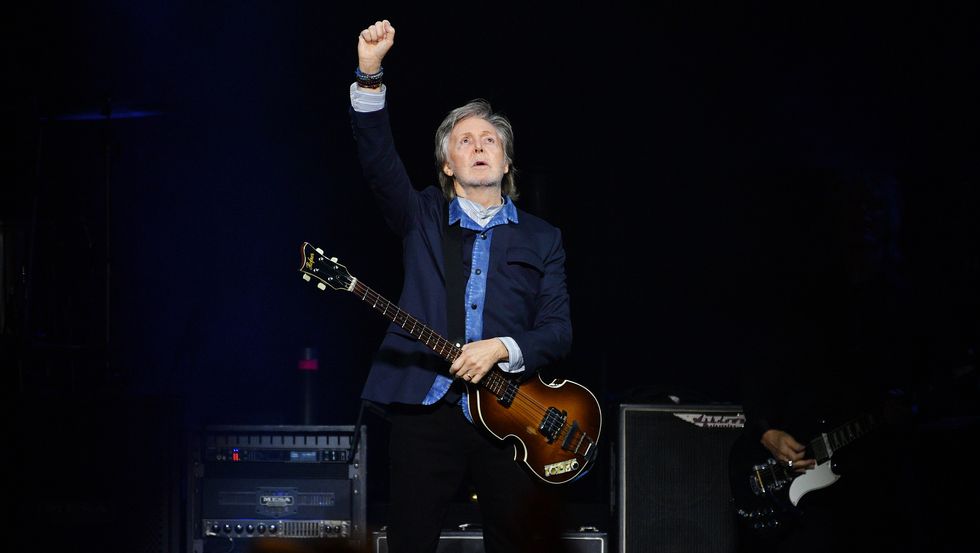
851,430
825,444
328,273
389,310
493,381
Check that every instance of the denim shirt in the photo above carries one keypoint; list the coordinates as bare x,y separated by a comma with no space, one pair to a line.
467,214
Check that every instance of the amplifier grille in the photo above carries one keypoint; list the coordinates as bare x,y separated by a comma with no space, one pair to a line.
673,478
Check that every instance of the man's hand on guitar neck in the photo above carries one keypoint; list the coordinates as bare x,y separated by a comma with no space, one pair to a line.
787,450
478,358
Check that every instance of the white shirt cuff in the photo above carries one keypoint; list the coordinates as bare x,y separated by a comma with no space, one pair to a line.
516,363
366,102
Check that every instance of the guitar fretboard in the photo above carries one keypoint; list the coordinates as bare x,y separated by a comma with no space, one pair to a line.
493,381
824,445
850,431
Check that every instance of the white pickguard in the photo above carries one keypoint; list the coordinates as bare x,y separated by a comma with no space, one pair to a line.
814,479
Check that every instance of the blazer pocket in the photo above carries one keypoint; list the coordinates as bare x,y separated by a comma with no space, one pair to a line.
526,268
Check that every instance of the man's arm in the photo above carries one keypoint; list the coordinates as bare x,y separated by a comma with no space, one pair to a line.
550,337
382,167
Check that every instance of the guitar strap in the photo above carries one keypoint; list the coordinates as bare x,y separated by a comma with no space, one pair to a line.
452,262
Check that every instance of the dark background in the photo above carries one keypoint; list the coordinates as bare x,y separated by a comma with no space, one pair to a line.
708,167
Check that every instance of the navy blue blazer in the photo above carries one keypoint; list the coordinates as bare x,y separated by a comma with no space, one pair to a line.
526,299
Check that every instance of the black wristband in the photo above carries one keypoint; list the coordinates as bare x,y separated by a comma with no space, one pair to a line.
369,80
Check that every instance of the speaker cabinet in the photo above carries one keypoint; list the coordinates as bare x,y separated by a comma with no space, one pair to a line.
673,488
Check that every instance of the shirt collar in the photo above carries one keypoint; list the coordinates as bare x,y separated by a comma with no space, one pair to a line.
457,212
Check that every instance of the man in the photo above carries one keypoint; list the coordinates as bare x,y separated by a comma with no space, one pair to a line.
838,349
509,302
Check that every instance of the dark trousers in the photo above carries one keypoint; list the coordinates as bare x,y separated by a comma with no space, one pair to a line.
432,449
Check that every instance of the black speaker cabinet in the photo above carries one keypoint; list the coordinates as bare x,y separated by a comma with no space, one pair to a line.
673,488
471,541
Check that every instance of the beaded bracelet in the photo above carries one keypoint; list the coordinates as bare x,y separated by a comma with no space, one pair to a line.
372,80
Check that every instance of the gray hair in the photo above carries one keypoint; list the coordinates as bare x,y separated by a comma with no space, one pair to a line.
476,108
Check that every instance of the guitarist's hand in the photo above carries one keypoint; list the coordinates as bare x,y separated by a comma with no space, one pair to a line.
787,450
478,358
372,45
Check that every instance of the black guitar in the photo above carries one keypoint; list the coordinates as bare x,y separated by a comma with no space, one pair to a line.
557,424
767,493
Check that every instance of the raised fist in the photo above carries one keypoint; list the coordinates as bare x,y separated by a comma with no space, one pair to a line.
372,45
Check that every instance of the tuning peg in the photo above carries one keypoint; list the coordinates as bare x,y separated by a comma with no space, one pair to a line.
306,277
321,286
334,259
319,251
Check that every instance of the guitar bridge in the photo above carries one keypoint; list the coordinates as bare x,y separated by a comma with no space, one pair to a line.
552,423
578,442
766,478
572,432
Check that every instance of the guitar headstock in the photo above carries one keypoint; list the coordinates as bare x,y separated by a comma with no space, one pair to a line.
325,271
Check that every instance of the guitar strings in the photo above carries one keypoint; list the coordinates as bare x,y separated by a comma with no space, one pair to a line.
521,403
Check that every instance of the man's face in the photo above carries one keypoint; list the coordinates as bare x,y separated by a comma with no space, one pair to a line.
476,156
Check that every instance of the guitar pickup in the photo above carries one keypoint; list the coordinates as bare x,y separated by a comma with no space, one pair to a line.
552,423
507,395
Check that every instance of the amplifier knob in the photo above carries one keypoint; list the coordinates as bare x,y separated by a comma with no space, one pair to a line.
239,528
261,528
249,528
227,528
273,528
215,528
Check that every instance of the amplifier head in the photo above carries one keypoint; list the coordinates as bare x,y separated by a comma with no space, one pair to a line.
295,482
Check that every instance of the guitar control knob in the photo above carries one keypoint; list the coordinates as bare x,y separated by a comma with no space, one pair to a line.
261,528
